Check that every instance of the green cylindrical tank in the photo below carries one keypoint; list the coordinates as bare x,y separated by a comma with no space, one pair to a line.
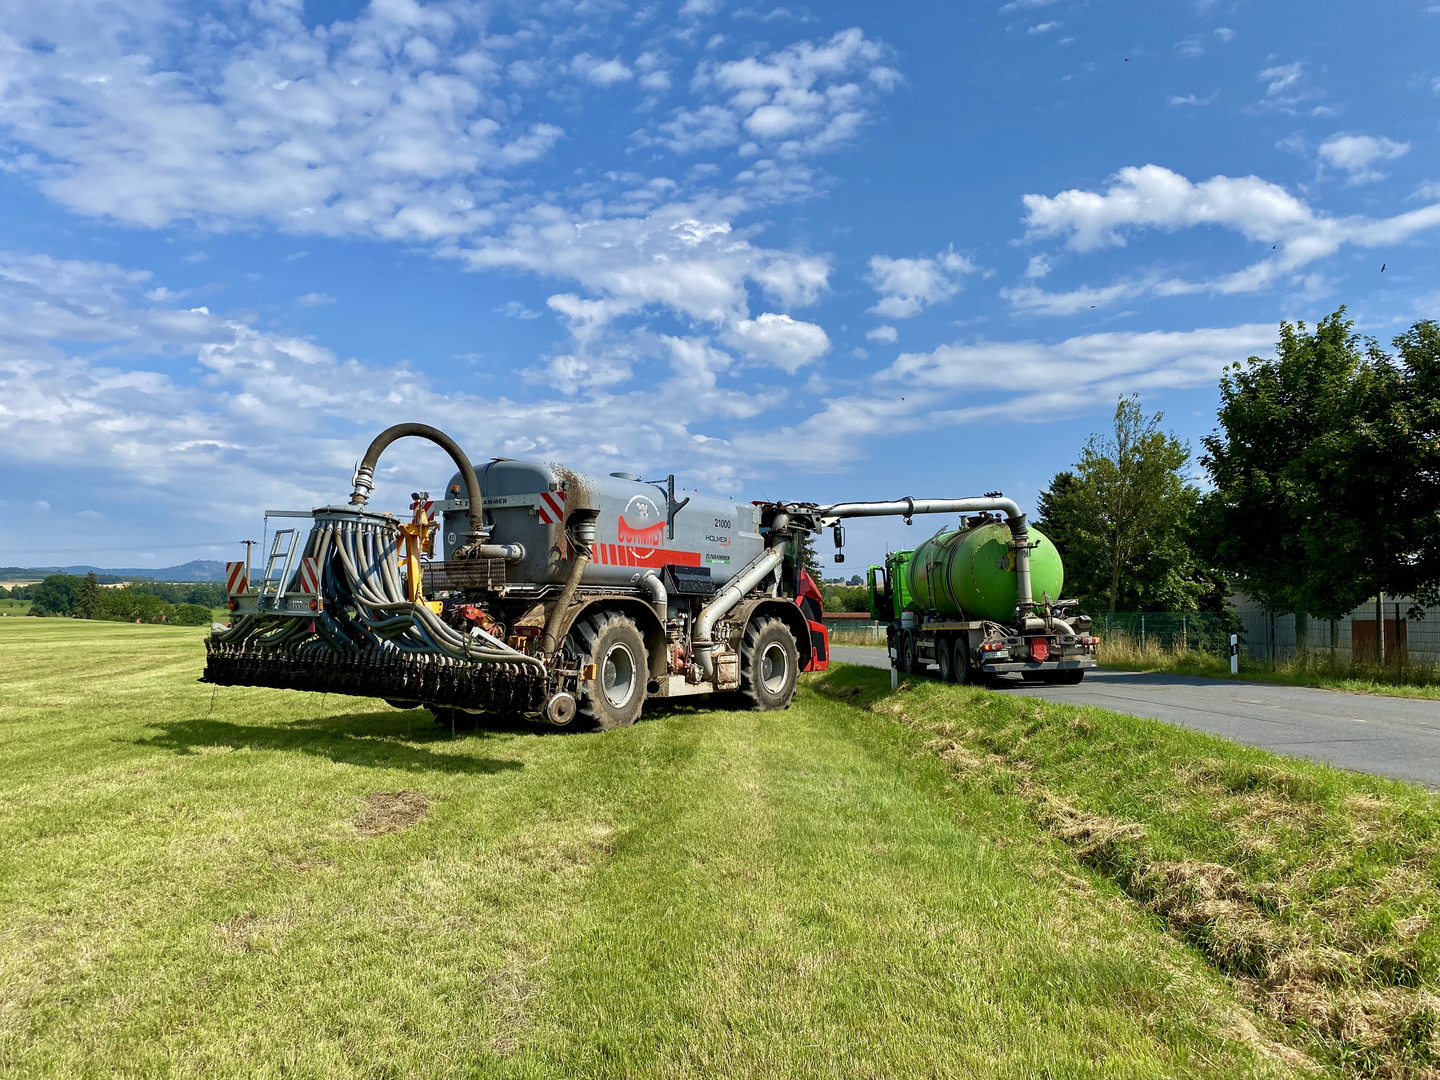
972,573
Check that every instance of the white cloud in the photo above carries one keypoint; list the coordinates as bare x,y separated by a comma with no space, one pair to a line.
1152,197
804,99
1287,88
1190,46
1191,99
1224,33
1024,381
1038,267
603,73
514,309
314,299
1355,154
1025,5
779,340
383,126
1044,27
908,286
884,333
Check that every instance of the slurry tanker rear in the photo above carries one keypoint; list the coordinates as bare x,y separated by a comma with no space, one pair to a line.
963,601
568,598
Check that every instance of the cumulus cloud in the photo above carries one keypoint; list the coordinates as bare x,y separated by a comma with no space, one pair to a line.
1357,154
908,286
601,72
779,340
887,334
808,98
1153,197
314,299
1191,99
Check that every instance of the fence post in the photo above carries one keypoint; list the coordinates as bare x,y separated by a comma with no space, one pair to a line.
1142,632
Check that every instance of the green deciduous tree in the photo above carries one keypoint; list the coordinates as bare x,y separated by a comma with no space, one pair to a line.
1326,468
55,595
1121,519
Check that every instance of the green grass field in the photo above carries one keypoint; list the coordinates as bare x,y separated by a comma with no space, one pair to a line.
936,882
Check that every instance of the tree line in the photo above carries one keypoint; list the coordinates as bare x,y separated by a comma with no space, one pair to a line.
1323,486
71,596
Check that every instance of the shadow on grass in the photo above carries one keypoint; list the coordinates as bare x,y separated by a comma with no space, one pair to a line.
372,740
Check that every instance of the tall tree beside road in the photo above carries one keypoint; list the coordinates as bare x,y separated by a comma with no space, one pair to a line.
1120,520
1326,469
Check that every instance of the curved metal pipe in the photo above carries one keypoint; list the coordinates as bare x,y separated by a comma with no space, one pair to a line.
655,589
907,508
364,478
761,567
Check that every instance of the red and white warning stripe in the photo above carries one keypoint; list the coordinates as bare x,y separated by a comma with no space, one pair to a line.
551,507
307,578
427,505
235,580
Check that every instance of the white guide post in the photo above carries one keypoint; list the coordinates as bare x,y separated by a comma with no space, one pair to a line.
1234,654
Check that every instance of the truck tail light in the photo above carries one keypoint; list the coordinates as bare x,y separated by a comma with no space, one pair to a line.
1087,640
992,646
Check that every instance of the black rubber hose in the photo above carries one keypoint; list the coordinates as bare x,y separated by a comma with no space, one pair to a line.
365,471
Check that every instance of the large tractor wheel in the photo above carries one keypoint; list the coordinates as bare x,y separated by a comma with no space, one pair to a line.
613,643
769,665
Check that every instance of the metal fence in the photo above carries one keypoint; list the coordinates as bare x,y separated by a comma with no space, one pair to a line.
1266,636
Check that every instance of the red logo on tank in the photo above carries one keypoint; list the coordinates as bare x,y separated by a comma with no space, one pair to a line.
650,536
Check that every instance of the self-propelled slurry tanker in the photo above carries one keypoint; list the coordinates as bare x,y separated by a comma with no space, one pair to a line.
971,603
565,597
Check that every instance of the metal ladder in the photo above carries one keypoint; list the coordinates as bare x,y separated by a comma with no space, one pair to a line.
281,555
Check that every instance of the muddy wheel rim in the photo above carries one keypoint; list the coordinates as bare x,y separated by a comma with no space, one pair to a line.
619,675
774,668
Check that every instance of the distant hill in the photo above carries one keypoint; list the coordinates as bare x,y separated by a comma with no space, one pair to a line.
195,570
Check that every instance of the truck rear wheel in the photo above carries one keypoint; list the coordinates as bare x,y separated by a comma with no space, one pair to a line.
945,657
769,665
613,643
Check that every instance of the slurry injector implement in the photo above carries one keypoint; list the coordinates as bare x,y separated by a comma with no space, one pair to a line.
560,596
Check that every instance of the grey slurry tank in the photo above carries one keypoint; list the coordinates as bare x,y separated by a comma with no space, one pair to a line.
526,503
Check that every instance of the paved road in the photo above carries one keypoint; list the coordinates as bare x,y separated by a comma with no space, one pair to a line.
1397,737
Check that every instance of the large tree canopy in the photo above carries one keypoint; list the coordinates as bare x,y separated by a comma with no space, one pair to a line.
1325,469
1120,520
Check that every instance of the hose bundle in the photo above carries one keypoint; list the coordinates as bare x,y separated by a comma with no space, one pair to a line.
366,611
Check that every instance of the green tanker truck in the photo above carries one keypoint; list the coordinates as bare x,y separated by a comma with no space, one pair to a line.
959,602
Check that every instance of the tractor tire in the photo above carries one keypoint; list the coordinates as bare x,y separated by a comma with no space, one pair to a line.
945,656
769,665
614,644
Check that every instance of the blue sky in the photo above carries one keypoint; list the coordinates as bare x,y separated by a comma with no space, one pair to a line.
820,252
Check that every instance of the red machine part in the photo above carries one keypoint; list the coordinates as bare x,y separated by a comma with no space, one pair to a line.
812,605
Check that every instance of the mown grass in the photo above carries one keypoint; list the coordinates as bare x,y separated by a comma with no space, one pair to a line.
1319,669
14,607
259,883
1316,891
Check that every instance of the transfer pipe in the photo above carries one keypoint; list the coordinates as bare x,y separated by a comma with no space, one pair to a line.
761,567
907,508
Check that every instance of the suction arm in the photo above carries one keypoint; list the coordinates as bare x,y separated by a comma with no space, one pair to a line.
908,508
364,479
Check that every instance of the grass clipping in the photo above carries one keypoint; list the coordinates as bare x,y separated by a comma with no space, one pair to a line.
1314,890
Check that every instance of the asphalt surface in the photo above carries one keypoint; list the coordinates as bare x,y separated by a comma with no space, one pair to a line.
1397,737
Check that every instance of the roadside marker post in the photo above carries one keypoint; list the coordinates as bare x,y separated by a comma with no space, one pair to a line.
1234,654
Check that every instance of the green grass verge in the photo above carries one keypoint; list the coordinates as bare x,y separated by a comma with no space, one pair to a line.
256,883
1315,890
